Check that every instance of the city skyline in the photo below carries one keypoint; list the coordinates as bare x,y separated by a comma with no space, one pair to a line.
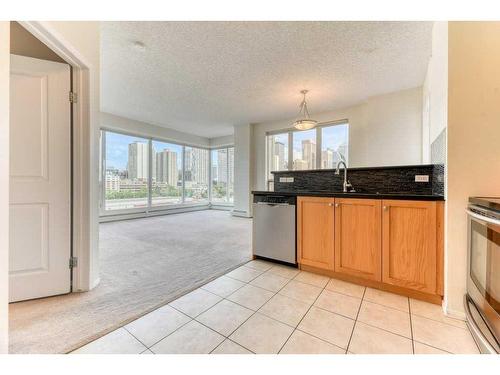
334,140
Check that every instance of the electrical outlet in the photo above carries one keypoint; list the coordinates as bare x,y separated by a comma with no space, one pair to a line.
283,179
421,178
290,179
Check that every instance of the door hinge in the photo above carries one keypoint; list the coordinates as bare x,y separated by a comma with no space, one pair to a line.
73,262
73,97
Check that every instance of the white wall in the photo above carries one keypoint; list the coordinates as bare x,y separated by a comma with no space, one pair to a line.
123,124
435,89
473,138
4,184
242,170
384,130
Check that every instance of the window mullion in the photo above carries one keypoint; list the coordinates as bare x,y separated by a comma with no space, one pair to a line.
319,135
103,172
150,174
183,182
290,150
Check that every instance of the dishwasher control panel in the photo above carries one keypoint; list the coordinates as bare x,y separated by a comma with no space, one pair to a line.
274,199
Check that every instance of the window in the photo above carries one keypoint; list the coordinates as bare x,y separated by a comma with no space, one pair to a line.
222,169
196,180
308,149
277,146
126,166
334,141
304,149
139,174
167,174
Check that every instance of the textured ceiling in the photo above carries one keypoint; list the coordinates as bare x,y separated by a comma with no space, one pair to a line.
204,77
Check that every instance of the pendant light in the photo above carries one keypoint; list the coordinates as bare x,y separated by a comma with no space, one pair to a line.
304,121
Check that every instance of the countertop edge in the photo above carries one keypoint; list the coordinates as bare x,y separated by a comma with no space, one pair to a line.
401,196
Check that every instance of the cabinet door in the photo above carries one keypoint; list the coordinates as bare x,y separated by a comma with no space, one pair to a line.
315,232
358,238
409,244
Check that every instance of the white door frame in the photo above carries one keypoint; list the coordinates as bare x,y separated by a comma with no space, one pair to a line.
84,164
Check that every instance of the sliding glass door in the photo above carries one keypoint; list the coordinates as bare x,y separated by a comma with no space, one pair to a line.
139,174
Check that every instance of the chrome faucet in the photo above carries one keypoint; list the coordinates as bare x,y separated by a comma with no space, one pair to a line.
346,185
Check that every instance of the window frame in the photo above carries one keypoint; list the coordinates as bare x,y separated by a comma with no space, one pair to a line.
290,131
150,208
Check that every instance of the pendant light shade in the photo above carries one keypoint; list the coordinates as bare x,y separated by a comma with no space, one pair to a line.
304,121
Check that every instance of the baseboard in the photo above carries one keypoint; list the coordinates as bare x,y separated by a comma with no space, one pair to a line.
455,314
177,210
241,213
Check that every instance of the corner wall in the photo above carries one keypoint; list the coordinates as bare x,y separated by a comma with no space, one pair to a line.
473,138
4,183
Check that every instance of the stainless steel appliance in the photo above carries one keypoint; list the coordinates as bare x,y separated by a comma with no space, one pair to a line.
274,227
482,301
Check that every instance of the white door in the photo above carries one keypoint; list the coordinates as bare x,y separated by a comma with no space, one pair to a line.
40,178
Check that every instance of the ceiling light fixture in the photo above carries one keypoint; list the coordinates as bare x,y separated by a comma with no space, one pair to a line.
304,121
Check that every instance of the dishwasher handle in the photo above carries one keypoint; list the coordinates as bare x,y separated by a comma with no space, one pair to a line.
272,204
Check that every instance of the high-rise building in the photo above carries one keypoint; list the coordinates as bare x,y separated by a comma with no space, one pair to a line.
153,166
188,163
279,156
166,167
199,165
137,165
342,149
222,165
309,153
327,159
112,181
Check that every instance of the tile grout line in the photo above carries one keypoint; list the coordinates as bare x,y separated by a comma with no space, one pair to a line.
432,346
355,321
255,311
411,328
301,319
439,321
131,334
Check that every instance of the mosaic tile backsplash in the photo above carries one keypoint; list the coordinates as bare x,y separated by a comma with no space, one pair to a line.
383,180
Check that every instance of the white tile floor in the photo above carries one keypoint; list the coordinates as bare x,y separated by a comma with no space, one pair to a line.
262,307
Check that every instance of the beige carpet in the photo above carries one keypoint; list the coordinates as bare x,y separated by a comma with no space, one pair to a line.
145,263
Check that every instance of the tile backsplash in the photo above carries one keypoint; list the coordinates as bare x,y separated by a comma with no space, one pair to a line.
400,179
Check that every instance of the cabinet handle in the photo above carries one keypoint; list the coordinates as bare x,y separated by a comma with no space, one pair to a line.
336,205
330,204
385,208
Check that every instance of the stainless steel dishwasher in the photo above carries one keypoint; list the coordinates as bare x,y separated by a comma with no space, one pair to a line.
274,227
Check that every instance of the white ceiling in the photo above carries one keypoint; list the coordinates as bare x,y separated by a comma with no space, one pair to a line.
204,77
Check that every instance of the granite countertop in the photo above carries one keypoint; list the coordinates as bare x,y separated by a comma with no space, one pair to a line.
408,196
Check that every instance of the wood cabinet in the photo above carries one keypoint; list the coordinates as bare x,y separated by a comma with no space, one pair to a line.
409,244
358,238
394,245
315,232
